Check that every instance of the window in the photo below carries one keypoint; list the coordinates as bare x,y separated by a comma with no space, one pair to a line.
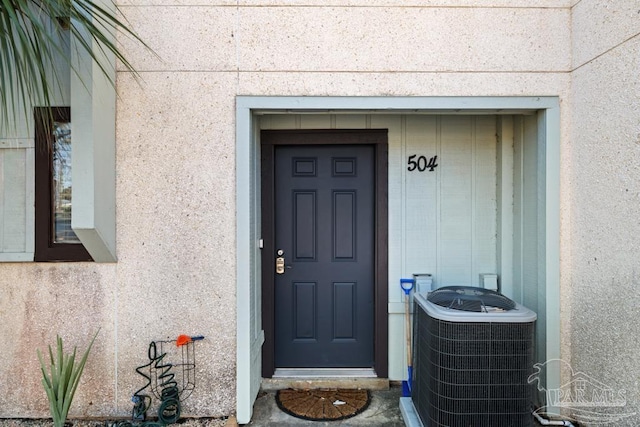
54,238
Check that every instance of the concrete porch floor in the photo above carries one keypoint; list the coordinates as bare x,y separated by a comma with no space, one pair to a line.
383,411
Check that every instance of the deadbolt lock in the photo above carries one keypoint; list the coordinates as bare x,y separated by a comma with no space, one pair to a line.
280,262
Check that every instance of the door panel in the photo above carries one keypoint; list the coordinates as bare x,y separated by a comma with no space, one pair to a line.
324,224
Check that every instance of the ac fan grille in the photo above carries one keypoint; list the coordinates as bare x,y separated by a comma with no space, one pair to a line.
472,374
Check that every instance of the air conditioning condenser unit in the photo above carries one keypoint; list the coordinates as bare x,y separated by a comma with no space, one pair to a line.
473,354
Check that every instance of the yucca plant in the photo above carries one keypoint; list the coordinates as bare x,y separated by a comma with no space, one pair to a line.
61,378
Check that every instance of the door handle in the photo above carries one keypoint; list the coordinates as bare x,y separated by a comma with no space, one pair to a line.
280,262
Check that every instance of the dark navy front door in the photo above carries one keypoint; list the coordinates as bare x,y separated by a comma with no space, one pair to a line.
324,228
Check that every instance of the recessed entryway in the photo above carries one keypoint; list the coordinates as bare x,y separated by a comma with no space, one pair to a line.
521,164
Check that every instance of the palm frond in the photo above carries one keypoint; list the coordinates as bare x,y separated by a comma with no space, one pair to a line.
33,42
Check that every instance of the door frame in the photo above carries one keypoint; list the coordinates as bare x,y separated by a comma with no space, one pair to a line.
377,138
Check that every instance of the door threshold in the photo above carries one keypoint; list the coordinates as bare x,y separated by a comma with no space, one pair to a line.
312,378
324,373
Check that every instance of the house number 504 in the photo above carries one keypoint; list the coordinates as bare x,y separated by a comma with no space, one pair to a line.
421,163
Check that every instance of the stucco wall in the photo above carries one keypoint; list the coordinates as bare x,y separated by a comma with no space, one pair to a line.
175,167
605,197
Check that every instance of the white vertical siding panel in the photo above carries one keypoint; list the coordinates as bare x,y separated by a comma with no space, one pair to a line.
351,121
518,181
485,197
505,203
313,121
455,252
279,122
397,347
263,122
530,214
420,197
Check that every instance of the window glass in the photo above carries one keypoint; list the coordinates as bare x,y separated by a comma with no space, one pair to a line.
61,191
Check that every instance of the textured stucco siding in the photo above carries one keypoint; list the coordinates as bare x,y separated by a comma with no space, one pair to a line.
603,277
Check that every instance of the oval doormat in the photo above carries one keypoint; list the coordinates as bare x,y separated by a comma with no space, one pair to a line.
323,405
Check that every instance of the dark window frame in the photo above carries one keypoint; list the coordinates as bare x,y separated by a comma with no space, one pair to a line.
46,250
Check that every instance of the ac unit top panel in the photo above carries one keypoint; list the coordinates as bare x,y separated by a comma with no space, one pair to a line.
519,314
